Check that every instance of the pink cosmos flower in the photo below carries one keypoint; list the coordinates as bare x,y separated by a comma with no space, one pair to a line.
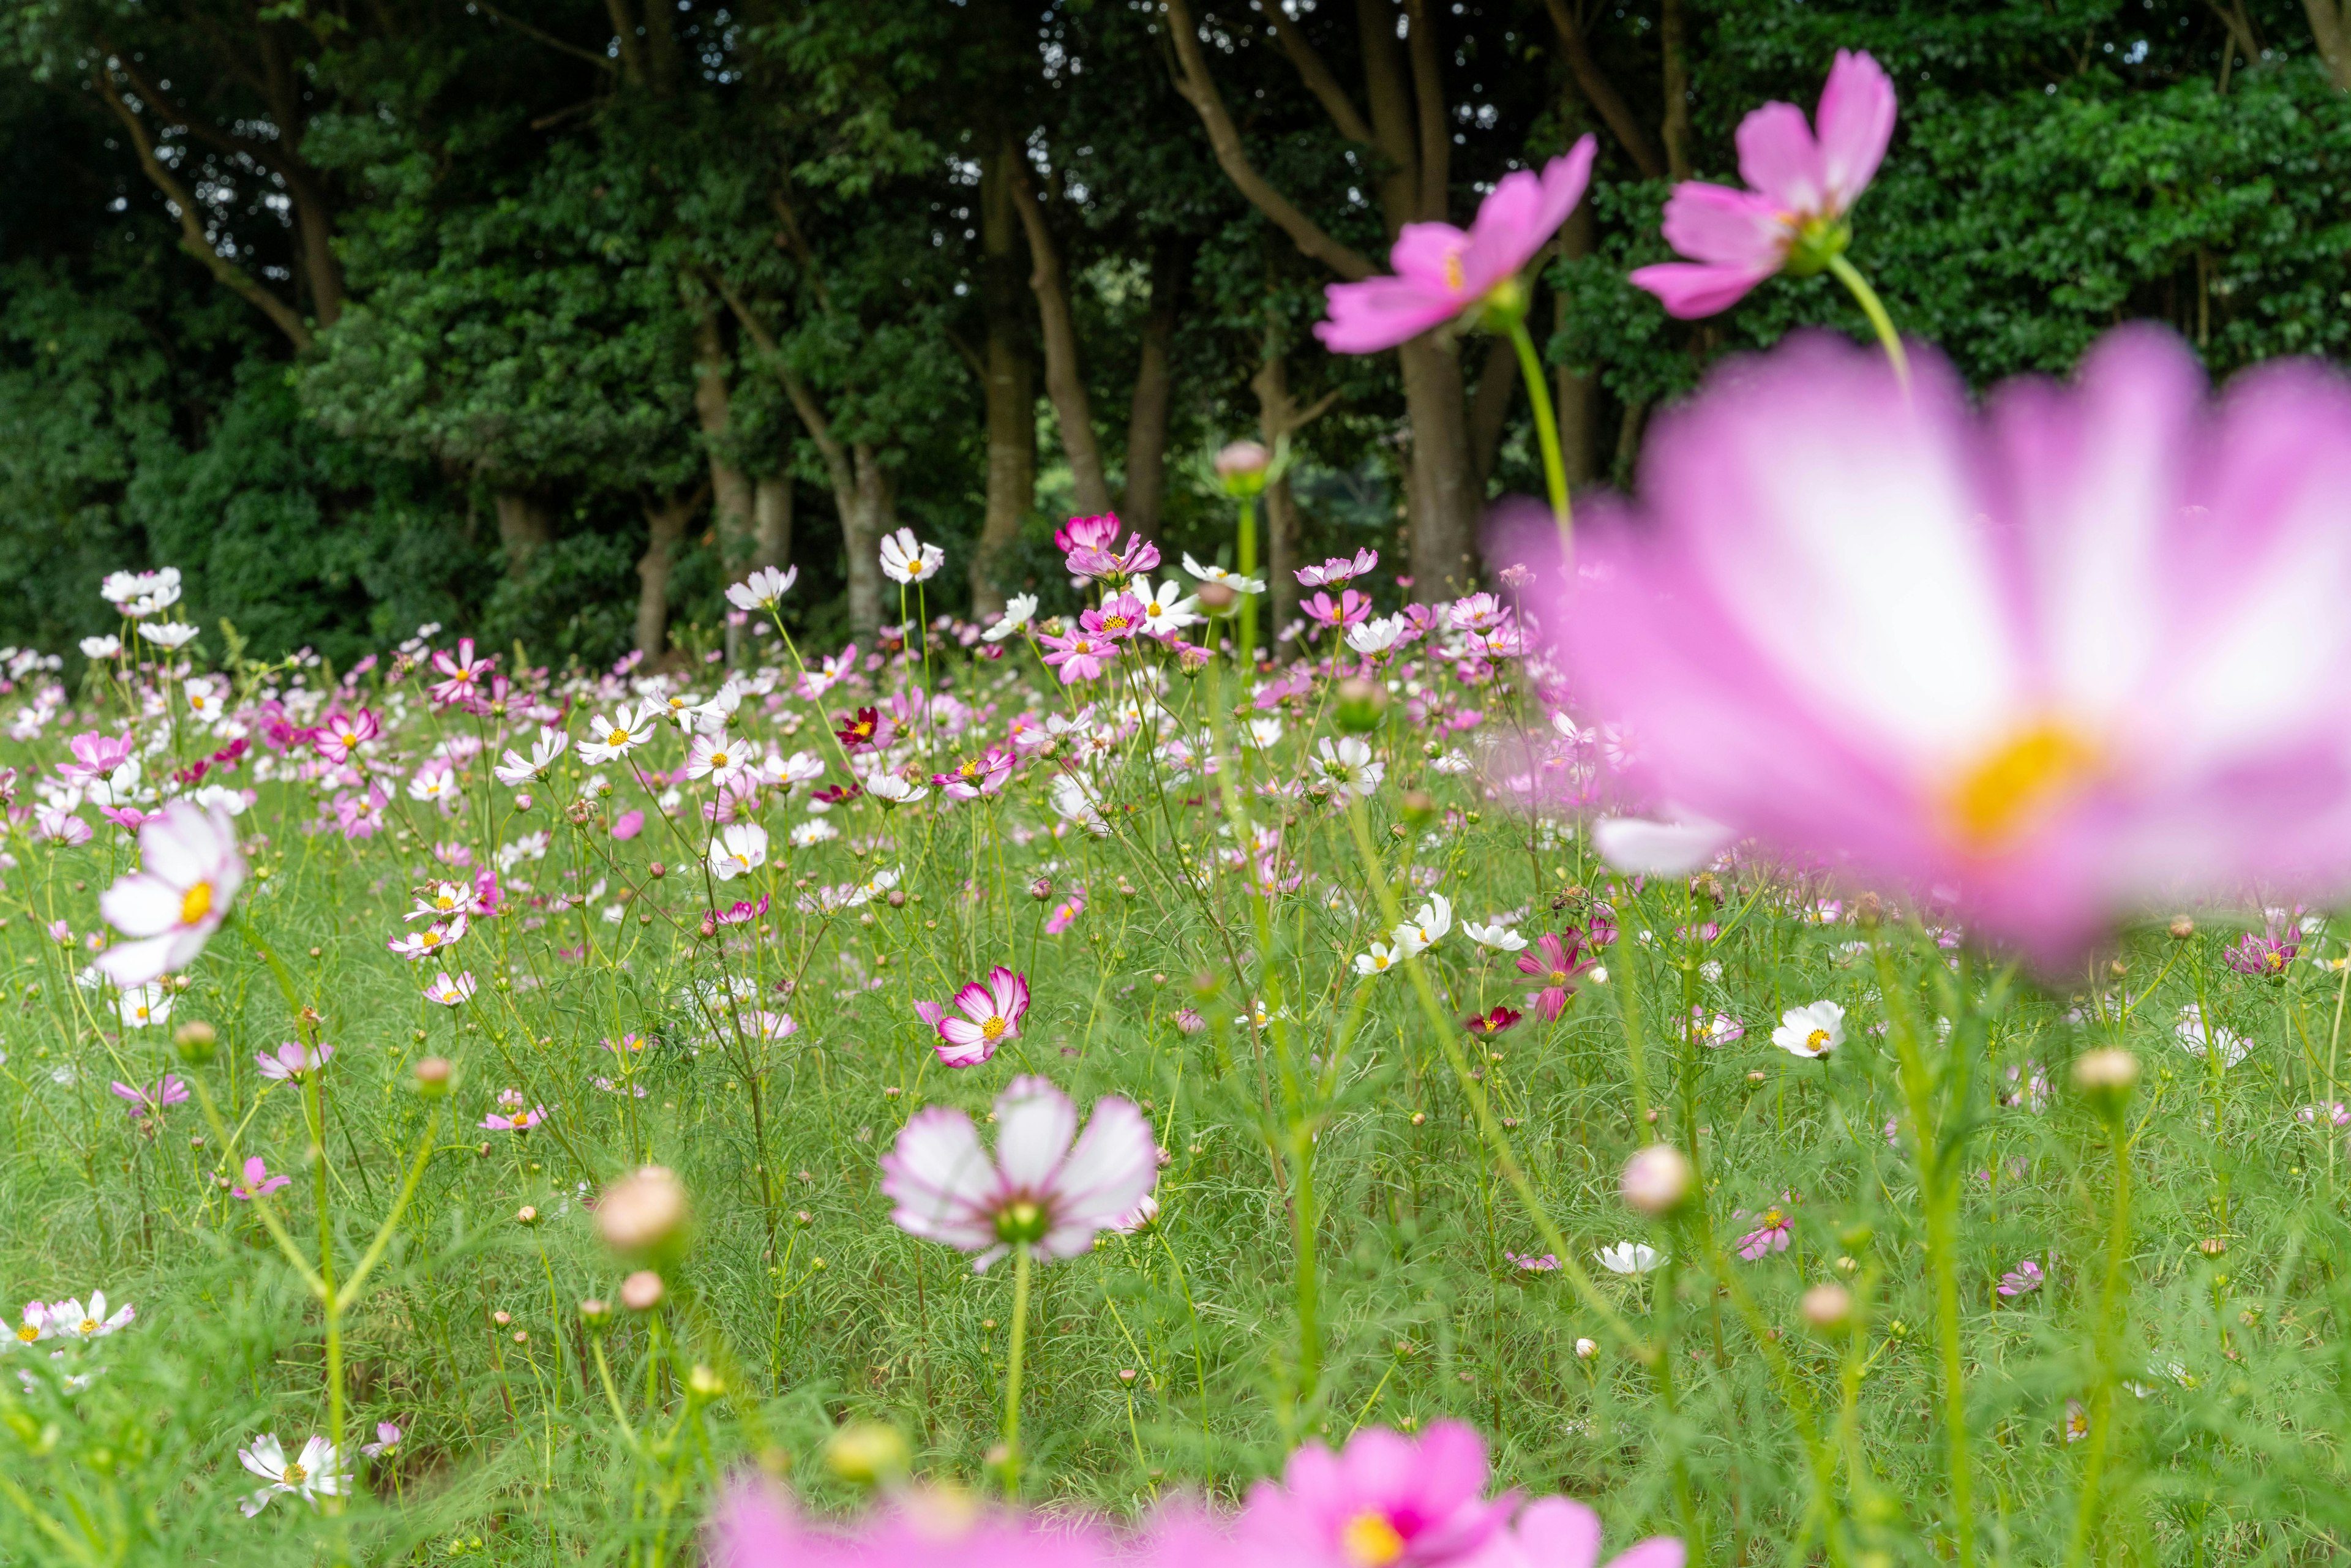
1065,914
360,814
386,1444
461,673
991,1012
756,1527
1350,609
1794,218
742,911
2022,1280
1114,565
1080,656
1385,1499
1560,1532
1338,570
1442,272
2031,659
628,825
96,755
1773,1228
292,1061
1037,1191
342,734
2268,955
1087,533
191,872
986,774
514,1119
1121,617
258,1182
449,993
169,1090
1556,960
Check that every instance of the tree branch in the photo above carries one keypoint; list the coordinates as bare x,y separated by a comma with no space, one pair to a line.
1315,74
601,62
1600,93
1429,97
1192,82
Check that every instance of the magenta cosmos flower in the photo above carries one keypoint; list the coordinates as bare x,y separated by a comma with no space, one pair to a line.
1803,186
190,871
1555,961
1037,1191
992,1010
2039,661
1385,1499
756,1527
1441,272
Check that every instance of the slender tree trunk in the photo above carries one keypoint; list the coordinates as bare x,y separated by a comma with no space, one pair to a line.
1673,37
2330,29
526,526
1065,381
665,522
872,512
771,521
1575,399
730,487
1146,421
1008,384
1445,514
1277,416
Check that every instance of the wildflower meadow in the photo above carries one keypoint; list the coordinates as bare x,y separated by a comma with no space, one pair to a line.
1795,1016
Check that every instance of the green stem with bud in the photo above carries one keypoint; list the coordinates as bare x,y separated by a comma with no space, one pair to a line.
1546,434
2101,1390
1875,309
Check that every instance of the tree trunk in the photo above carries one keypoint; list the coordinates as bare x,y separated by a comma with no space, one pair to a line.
1673,37
730,487
2330,29
1490,413
1576,397
1444,513
665,523
1146,421
1065,381
1008,385
526,526
1277,416
873,511
771,521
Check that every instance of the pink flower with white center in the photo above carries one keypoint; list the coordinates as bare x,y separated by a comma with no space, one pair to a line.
415,945
1793,218
72,1320
992,1011
722,758
1080,656
292,1061
258,1182
1339,569
96,755
341,735
1442,272
169,908
514,1119
449,993
1348,609
317,1471
2031,658
461,671
1037,1191
986,774
1386,1501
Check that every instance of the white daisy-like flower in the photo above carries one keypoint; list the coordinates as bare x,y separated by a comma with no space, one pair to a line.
1811,1032
1018,610
1497,935
317,1471
1629,1258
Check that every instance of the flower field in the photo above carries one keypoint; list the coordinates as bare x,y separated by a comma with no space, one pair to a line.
1802,1023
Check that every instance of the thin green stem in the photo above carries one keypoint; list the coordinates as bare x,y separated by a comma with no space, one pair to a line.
2102,1391
1245,615
1530,369
1875,309
1021,1265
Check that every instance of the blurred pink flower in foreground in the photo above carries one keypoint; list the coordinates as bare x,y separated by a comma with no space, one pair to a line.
1793,218
1441,272
2034,661
1038,1190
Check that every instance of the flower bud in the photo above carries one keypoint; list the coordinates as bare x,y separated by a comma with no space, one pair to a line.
1361,705
2105,1077
596,1312
2182,928
644,1212
701,1383
868,1454
196,1039
1585,1348
1216,598
432,1075
1241,468
1418,806
527,1215
1041,889
643,1290
1657,1179
656,871
1827,1307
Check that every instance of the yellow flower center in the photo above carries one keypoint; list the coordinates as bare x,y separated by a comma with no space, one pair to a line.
1113,622
28,1333
295,1475
1453,282
970,770
444,903
718,759
993,1029
196,904
430,939
1368,1538
1818,1040
1773,1219
86,1326
618,737
1558,976
2016,785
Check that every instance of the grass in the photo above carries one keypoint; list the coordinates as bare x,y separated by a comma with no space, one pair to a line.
1190,1357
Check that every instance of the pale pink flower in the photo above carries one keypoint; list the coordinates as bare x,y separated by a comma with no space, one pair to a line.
96,755
1803,186
449,992
1065,914
191,870
415,944
1442,272
460,671
1560,1532
292,1061
2032,658
386,1444
1339,569
169,1090
992,1011
1080,655
1038,1190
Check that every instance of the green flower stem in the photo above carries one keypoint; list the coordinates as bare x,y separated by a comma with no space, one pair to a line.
1530,369
1875,309
2102,1391
1245,614
1020,1268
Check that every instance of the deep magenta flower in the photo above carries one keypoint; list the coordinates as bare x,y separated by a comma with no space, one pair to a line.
992,1010
1442,272
2031,659
1793,218
1385,1500
1555,961
1121,616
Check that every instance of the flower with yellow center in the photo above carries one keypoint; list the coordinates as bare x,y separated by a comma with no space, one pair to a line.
2017,785
1369,1540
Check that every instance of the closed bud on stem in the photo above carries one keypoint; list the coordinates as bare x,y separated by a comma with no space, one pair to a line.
1361,703
644,1213
703,1384
1657,1179
1418,806
1241,468
597,1313
1828,1307
196,1041
868,1454
2106,1078
2182,928
643,1290
432,1075
656,871
1216,597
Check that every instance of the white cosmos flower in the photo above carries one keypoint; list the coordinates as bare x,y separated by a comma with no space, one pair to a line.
721,759
905,560
169,635
740,847
878,885
317,1471
1263,734
1811,1032
142,1007
191,870
1453,762
1629,1258
1431,922
415,944
1497,935
72,1320
813,832
2222,1045
1017,612
107,647
1378,961
1037,1190
1231,580
1377,635
1167,608
891,790
763,589
516,770
1658,848
1347,765
609,739
712,717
